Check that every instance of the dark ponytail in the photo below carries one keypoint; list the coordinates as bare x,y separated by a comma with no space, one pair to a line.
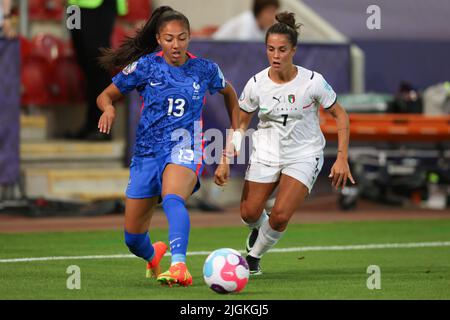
286,25
144,42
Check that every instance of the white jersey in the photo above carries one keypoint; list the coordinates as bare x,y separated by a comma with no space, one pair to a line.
289,127
241,27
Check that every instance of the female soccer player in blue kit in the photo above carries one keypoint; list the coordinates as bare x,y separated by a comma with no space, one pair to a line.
168,156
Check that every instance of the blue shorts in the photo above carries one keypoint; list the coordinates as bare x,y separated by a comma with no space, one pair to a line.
146,175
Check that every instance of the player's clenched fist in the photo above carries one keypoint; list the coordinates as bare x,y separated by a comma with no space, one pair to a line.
222,174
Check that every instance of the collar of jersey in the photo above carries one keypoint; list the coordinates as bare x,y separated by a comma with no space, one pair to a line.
285,83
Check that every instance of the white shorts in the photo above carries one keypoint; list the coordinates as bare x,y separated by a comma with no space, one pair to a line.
305,170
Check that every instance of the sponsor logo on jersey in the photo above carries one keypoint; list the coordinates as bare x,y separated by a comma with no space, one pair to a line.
291,98
130,68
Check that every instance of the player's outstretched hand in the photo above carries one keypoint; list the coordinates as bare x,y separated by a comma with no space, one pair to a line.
339,174
222,174
106,120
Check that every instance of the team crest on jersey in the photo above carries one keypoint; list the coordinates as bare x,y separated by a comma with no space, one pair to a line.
291,98
196,94
130,68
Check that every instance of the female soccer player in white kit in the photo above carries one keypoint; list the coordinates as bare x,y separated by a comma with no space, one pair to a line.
288,143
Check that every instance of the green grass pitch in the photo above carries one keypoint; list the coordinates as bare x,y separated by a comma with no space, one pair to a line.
406,273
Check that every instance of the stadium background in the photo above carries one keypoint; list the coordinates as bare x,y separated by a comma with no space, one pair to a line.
400,160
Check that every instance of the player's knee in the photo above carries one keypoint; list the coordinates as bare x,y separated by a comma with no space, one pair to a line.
249,214
279,220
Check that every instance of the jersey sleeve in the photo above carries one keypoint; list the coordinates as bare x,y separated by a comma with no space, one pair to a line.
217,80
322,92
248,101
131,77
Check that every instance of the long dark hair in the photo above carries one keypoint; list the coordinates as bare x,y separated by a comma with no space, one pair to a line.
144,42
286,25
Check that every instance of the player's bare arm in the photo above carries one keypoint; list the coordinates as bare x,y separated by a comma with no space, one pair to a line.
105,103
232,105
234,140
340,171
244,119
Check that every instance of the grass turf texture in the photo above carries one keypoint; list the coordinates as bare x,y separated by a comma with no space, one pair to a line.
412,273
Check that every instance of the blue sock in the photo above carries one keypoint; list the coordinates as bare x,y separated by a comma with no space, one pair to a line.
179,225
140,245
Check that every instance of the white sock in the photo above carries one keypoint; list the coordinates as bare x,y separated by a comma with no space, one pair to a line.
267,238
252,225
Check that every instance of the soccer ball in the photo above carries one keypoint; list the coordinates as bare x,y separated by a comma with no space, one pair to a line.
226,271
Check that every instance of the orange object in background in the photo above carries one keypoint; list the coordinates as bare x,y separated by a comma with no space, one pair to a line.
390,127
205,32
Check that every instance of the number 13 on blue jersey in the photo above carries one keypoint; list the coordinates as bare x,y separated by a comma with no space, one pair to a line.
176,107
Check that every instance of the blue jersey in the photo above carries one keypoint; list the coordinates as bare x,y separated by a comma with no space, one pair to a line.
172,101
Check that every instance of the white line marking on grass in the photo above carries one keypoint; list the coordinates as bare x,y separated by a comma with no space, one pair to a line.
114,256
280,250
